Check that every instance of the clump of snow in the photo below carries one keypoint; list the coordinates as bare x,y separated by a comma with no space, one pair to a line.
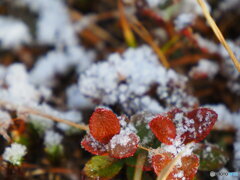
226,5
126,79
13,33
73,116
15,153
53,25
122,139
225,117
206,68
52,138
18,88
228,68
206,44
59,62
189,6
76,100
52,142
40,123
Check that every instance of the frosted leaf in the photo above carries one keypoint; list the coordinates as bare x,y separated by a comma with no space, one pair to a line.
14,153
93,146
123,145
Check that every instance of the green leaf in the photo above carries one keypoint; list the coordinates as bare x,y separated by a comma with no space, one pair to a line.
140,122
212,157
102,167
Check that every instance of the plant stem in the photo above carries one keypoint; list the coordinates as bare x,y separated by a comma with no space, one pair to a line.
139,167
218,33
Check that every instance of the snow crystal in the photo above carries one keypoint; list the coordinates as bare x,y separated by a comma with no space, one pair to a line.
180,174
205,67
14,153
122,139
13,33
118,80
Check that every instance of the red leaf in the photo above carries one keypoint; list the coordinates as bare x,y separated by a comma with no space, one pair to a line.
188,168
198,123
163,128
93,146
171,114
103,125
160,161
123,145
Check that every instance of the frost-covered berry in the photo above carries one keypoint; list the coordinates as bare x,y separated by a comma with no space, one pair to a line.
14,154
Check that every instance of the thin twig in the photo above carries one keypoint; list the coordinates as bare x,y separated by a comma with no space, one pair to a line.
39,113
168,169
144,34
218,33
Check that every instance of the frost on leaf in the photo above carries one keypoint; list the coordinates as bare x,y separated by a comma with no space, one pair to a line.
163,128
103,125
123,145
185,169
203,121
93,146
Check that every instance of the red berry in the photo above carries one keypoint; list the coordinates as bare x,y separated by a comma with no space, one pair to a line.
163,128
123,145
93,146
198,123
103,125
